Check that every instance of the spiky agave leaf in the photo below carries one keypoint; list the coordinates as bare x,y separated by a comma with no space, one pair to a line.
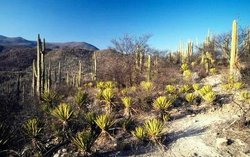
184,89
139,133
83,141
104,122
81,97
147,85
50,99
245,95
108,94
32,128
153,128
90,117
6,134
205,89
190,97
63,112
209,97
184,67
127,101
163,102
110,84
170,89
196,86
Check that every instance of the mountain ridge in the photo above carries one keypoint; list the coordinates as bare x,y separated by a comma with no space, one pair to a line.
20,41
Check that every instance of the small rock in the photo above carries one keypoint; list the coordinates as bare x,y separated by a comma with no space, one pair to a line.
56,155
64,150
195,120
221,142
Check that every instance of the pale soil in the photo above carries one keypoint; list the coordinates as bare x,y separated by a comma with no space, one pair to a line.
201,134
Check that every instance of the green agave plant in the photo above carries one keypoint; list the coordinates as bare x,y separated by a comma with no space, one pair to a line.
147,85
162,103
81,98
190,97
63,112
184,89
196,86
104,122
101,85
205,89
90,118
187,75
108,95
184,67
139,133
153,128
6,134
83,140
127,102
245,95
209,97
32,128
110,84
170,89
50,99
238,85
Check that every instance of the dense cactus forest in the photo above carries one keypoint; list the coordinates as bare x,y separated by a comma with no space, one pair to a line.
129,100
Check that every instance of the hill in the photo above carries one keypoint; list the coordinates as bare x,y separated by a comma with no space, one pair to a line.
19,41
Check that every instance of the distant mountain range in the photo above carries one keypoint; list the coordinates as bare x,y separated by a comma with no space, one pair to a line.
19,41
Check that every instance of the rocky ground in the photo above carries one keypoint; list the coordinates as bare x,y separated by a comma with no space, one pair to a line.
204,131
213,133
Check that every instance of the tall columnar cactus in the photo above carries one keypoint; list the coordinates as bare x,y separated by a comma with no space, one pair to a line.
190,49
67,78
38,67
234,49
149,68
49,77
141,60
59,72
248,42
79,74
43,65
225,48
39,70
94,67
33,78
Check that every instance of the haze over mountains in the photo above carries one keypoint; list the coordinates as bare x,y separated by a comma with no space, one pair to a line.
19,41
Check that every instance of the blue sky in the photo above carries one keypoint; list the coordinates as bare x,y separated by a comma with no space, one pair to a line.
99,21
